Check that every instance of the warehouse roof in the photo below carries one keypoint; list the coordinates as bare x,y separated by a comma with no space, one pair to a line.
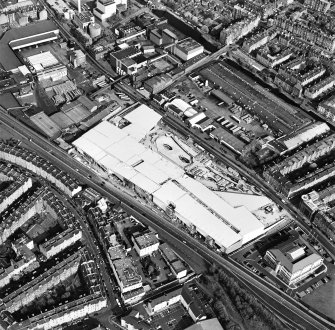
45,124
251,202
125,149
62,120
240,218
191,210
8,59
33,40
180,104
144,183
143,119
169,193
152,172
109,161
28,31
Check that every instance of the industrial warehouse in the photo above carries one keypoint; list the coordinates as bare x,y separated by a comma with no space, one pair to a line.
153,177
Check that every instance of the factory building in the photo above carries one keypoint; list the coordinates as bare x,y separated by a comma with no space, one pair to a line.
179,108
187,49
125,61
19,38
77,58
107,8
84,19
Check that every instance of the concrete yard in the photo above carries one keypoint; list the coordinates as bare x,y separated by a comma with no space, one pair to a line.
283,118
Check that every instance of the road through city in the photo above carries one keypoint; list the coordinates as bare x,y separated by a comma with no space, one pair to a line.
288,306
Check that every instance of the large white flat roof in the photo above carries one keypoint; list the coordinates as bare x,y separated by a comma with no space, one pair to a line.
125,171
109,130
143,119
245,225
109,162
125,149
151,156
205,221
152,172
172,170
89,148
251,202
168,193
145,183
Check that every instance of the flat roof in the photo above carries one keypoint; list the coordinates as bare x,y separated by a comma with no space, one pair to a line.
188,45
251,202
206,222
143,119
144,183
45,124
125,149
168,192
62,120
152,172
240,218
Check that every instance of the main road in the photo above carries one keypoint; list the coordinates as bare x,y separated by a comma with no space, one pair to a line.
289,308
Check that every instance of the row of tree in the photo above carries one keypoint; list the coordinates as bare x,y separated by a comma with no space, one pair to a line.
245,303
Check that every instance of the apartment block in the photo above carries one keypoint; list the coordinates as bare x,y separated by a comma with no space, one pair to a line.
145,243
13,219
60,242
164,301
327,108
320,88
63,314
38,286
17,188
306,155
39,166
127,276
239,29
25,259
